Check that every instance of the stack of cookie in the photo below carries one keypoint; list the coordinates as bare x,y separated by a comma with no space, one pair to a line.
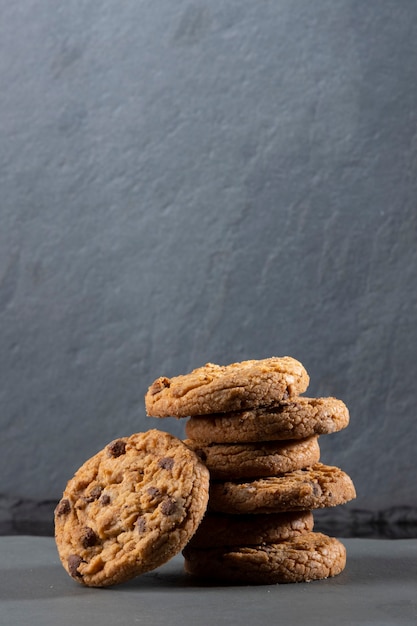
259,439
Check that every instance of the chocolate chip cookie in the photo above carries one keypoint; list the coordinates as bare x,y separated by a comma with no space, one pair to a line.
130,508
221,529
307,557
315,487
295,418
253,460
216,388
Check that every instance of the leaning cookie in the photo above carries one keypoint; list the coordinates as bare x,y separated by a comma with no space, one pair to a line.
221,529
315,487
311,556
130,508
215,388
296,418
231,461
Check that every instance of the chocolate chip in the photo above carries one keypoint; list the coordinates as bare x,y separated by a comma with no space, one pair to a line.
105,499
166,462
168,506
74,561
117,448
89,538
141,524
63,507
159,385
94,494
153,491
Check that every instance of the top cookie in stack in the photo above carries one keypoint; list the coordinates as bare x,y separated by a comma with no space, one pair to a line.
216,388
259,439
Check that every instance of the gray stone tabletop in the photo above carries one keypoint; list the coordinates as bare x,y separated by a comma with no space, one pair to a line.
378,587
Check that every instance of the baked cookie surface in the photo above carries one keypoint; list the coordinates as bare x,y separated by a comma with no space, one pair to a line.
315,487
295,418
253,460
220,529
217,388
130,508
311,556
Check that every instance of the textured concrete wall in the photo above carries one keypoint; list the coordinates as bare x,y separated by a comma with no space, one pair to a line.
195,181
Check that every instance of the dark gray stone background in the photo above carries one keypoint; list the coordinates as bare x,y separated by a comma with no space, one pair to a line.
195,181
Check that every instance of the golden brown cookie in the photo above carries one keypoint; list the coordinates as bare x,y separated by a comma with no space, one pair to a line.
296,418
220,529
130,508
311,488
312,556
216,388
230,461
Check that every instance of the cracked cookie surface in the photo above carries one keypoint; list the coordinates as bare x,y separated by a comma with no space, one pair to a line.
219,388
130,508
311,556
295,418
253,460
314,487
